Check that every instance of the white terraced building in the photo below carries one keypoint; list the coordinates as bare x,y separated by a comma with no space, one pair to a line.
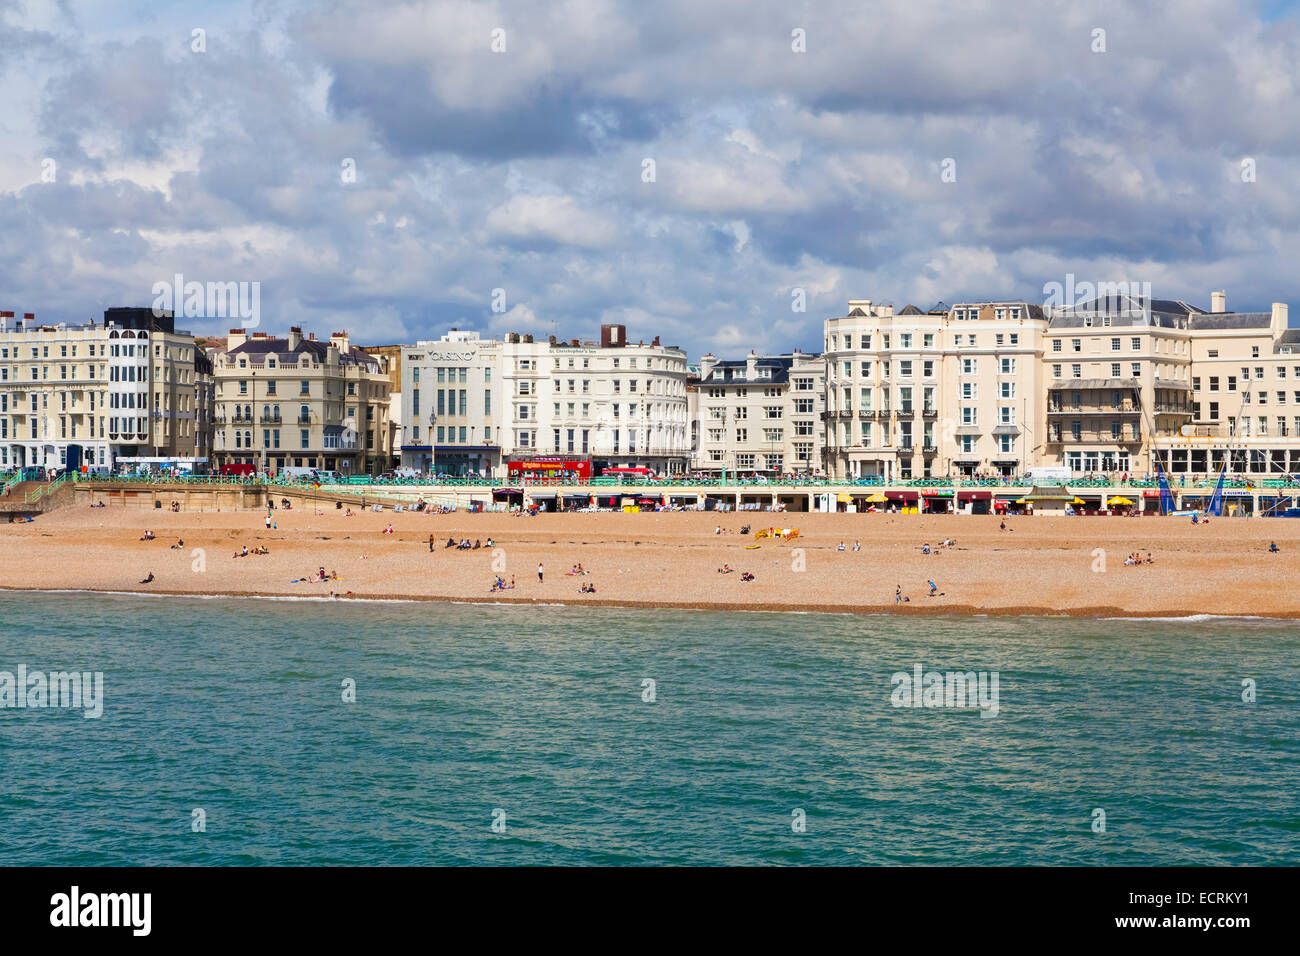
623,404
471,404
452,411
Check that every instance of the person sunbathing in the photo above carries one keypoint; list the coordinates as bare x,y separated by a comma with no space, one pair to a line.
178,544
149,579
451,543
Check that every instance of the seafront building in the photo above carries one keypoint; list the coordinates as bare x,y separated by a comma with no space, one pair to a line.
450,422
953,391
131,388
758,415
613,402
1133,382
302,403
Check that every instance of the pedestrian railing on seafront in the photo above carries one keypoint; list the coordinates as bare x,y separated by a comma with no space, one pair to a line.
44,490
1177,484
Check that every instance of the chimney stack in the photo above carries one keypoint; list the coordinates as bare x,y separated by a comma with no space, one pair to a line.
1219,301
1279,321
295,338
613,336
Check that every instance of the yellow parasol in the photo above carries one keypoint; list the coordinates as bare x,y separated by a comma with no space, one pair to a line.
877,499
1078,501
1022,501
1125,502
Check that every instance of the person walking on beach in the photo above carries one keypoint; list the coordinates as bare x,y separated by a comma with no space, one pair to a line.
933,587
539,573
268,521
431,544
898,594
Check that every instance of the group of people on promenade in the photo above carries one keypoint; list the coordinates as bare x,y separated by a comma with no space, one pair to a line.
1136,558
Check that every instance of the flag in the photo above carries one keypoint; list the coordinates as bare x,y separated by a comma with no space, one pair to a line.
1216,501
1166,496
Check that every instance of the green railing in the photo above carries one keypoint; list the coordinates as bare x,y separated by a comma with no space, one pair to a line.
1177,483
44,490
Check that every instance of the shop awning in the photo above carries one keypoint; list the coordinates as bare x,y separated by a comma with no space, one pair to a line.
901,495
942,493
542,495
974,496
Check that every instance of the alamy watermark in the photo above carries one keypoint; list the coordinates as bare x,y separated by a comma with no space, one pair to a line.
83,690
212,300
1126,297
967,690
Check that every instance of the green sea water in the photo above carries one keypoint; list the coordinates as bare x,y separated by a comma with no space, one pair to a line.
763,739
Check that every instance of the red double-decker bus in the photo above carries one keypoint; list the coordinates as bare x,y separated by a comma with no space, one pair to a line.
549,466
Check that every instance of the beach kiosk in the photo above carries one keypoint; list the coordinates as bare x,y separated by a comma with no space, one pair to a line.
1049,500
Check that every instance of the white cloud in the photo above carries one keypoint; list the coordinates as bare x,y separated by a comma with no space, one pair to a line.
556,218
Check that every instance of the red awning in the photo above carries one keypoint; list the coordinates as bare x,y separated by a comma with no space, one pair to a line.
902,495
974,496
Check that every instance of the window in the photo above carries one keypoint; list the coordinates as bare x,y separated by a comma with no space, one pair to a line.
969,415
969,366
969,390
1056,371
1214,383
1076,371
1115,370
905,368
1254,351
1056,345
1006,389
1135,344
1076,345
1008,366
1114,345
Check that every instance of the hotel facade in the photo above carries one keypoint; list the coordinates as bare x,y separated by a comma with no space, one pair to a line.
617,403
953,391
132,387
1114,385
297,402
761,414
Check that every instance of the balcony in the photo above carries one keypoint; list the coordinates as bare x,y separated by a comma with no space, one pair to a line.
270,419
1092,437
930,414
304,419
929,450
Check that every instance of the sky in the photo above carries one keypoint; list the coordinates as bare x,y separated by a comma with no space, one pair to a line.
724,175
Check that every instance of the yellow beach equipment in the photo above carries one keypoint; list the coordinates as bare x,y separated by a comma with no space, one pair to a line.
1123,502
877,499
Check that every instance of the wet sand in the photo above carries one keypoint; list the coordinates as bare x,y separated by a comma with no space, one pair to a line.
1040,565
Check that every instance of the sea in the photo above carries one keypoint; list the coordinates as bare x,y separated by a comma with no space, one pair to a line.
246,732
